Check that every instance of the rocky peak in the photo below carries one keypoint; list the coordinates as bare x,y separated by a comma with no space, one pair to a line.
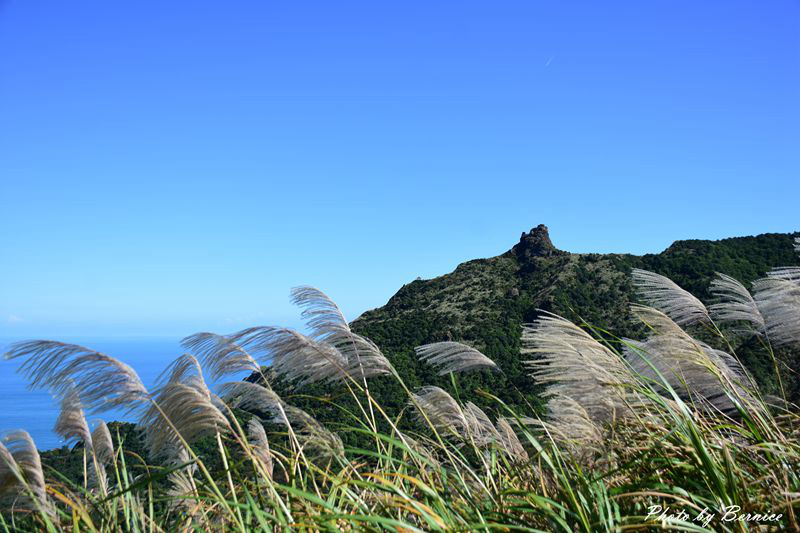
535,243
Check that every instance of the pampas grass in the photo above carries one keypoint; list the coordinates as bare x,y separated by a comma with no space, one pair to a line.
21,474
220,355
481,430
328,325
102,382
103,443
260,443
778,299
434,405
183,411
317,441
735,305
510,441
668,297
453,357
664,420
71,423
295,357
577,367
696,371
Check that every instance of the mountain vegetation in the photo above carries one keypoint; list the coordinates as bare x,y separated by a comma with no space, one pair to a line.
535,391
485,303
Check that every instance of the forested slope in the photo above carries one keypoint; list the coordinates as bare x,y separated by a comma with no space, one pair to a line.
484,302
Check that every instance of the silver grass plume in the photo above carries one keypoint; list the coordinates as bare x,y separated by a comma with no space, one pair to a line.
577,366
328,325
453,357
260,444
189,406
185,368
789,273
656,320
735,304
571,425
103,443
220,355
778,299
103,454
668,297
317,441
786,273
420,449
21,473
101,381
192,412
778,295
509,441
182,490
296,358
690,367
468,424
441,410
481,430
256,398
71,423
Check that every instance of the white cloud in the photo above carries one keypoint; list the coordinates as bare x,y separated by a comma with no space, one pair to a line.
13,319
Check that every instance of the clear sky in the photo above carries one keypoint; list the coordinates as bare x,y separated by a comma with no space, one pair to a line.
168,167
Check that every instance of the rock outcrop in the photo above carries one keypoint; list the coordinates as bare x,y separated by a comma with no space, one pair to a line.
535,243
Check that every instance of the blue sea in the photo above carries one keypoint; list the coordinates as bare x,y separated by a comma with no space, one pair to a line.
36,411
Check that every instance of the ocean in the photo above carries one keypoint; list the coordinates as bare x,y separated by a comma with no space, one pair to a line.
36,411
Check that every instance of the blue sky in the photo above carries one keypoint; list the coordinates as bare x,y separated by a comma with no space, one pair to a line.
168,167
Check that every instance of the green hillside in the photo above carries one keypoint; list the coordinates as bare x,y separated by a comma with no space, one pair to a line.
318,469
484,302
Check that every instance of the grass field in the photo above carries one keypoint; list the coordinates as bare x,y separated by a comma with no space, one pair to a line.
665,431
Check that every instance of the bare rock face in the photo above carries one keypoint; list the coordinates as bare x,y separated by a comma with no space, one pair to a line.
535,243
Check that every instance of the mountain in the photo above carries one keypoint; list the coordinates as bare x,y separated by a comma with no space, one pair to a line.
484,302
